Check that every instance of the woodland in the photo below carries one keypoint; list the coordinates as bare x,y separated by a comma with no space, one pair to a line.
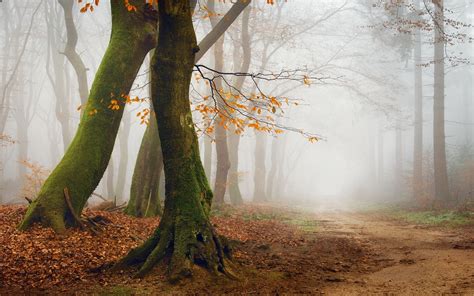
208,147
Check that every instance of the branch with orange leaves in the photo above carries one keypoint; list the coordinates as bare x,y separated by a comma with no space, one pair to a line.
233,108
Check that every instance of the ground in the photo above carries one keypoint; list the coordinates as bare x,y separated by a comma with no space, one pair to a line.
276,250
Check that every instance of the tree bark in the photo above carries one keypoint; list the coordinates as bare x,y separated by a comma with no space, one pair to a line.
144,192
83,165
398,155
260,169
380,158
442,196
222,151
275,163
234,139
70,50
204,46
122,168
110,179
58,80
208,157
418,135
185,234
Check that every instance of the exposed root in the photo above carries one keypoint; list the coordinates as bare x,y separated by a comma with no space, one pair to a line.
204,248
93,224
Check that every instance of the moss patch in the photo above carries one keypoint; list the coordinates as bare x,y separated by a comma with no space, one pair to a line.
436,218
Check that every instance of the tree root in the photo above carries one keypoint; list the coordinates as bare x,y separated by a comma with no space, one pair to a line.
93,224
204,248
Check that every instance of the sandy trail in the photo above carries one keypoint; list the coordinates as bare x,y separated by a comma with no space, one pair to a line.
412,260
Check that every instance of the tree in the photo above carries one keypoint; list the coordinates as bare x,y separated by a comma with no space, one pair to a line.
133,36
418,121
58,74
144,192
70,50
233,138
222,151
185,234
442,195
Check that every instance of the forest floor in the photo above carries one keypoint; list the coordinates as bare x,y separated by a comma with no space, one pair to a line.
276,250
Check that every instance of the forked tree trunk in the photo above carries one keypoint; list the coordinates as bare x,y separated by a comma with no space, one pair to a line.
83,165
206,43
144,193
185,234
442,196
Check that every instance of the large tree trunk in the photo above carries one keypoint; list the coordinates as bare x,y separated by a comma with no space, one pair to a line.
222,151
185,234
83,165
206,43
439,140
144,192
418,135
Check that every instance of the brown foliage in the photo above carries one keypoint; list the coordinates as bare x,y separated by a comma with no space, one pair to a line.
40,259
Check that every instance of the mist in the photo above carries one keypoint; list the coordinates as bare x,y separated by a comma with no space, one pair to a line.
342,106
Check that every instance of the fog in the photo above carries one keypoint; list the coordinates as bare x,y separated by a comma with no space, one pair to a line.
361,110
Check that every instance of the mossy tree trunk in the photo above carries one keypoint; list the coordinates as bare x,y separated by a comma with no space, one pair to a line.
185,235
144,192
83,165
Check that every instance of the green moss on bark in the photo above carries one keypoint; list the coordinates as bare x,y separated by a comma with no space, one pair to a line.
80,170
185,234
144,192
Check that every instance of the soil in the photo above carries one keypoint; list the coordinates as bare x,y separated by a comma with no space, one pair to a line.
276,251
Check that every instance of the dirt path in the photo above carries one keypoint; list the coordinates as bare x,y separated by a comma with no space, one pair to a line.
412,260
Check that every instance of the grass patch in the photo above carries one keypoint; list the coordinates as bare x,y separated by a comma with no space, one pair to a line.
306,225
436,218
